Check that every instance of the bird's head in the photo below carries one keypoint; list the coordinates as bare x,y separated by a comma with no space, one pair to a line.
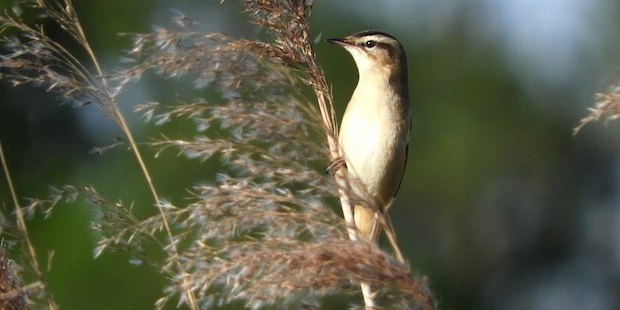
375,51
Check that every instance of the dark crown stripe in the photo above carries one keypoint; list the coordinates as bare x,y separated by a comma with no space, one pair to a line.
372,32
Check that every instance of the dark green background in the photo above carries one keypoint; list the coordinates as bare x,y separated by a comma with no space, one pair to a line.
502,208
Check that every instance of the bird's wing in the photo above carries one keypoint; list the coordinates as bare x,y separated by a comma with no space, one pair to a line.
404,167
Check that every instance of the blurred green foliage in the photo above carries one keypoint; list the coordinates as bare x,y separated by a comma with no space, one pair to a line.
496,185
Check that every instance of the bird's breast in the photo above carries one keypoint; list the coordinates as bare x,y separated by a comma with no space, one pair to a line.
374,135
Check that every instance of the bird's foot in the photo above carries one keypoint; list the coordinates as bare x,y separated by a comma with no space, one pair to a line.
335,165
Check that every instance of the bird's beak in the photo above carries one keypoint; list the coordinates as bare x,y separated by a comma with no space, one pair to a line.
341,42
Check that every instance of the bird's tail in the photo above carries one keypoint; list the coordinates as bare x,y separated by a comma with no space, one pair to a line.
367,223
370,223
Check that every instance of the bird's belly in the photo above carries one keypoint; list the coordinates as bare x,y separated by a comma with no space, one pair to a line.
375,155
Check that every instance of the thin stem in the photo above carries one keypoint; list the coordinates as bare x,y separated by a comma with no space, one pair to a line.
369,297
189,294
328,115
335,153
391,235
23,229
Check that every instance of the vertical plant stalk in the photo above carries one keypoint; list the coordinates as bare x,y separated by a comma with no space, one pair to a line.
23,230
391,235
336,154
118,115
325,102
327,114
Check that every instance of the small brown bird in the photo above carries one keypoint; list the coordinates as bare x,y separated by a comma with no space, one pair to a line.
375,129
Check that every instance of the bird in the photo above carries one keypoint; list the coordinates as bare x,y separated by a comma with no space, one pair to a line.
375,129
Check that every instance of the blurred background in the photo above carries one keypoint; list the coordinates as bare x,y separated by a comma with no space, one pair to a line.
501,208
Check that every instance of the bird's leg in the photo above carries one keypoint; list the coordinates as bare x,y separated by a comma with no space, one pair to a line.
335,165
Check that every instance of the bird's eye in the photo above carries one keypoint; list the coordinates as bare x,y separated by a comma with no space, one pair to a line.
370,43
